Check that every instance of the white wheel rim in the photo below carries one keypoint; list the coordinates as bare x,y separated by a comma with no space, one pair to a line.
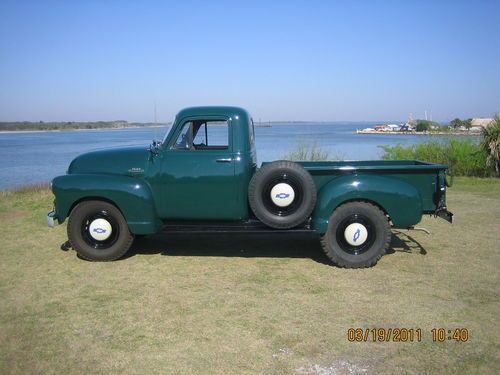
100,229
282,195
356,234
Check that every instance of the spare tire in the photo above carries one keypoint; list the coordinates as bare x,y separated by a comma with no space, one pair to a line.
282,194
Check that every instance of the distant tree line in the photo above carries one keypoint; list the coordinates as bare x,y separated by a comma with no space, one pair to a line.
70,125
455,124
458,123
426,125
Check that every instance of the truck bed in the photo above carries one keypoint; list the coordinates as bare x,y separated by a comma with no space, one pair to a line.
426,178
328,167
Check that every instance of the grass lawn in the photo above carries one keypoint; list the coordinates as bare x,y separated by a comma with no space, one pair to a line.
256,304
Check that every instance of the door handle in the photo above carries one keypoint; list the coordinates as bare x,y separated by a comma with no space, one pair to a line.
224,160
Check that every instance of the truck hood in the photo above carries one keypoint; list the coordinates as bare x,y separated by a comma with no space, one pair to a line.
129,161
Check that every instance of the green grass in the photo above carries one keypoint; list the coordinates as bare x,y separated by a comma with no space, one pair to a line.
249,304
464,157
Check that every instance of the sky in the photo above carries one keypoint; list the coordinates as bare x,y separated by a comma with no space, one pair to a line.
281,60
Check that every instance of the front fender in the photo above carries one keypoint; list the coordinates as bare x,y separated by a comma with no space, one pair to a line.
131,195
400,200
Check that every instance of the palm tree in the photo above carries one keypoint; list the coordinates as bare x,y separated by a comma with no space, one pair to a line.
491,144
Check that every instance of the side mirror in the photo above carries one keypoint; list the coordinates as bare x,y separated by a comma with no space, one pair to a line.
154,148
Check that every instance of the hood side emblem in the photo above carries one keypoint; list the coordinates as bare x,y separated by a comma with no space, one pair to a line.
136,170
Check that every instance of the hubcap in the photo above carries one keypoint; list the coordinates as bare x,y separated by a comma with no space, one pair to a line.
355,234
282,195
100,229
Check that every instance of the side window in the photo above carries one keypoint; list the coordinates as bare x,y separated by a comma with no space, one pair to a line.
185,139
204,135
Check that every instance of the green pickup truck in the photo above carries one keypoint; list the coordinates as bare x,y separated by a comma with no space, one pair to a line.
204,177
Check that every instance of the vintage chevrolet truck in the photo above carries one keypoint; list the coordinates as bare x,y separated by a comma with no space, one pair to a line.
204,176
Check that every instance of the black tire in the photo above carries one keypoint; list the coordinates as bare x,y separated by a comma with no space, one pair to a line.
261,202
342,250
81,239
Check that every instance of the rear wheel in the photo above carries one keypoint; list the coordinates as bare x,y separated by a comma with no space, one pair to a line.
98,231
358,235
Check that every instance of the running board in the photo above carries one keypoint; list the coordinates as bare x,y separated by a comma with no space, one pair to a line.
251,226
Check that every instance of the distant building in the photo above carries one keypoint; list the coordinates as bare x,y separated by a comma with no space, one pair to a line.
481,121
393,127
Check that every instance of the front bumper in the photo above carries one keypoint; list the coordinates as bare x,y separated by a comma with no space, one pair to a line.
51,218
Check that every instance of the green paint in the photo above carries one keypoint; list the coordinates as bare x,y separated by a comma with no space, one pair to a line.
211,184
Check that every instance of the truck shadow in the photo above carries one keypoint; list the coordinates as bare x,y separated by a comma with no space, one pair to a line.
253,245
404,242
268,245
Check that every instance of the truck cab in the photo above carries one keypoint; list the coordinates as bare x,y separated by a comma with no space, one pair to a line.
203,167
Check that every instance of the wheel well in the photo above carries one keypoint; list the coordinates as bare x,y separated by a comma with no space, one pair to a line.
366,201
85,199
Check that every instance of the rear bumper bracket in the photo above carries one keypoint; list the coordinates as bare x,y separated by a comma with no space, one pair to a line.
443,213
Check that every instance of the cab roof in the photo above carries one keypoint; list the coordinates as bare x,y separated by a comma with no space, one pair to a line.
213,111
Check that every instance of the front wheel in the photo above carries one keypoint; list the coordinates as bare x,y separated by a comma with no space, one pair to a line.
98,231
358,235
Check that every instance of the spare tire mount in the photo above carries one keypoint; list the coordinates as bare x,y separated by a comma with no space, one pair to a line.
282,194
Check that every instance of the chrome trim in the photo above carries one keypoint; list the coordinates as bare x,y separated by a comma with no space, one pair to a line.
50,219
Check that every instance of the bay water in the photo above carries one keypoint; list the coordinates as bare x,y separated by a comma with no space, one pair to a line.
33,157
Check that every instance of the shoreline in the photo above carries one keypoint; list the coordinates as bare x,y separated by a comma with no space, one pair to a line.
78,129
418,133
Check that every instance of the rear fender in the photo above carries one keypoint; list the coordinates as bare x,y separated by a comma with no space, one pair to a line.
132,196
400,200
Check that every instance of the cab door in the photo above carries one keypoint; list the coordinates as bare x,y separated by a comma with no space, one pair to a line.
197,172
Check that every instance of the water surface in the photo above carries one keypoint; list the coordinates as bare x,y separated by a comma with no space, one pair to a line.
39,156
